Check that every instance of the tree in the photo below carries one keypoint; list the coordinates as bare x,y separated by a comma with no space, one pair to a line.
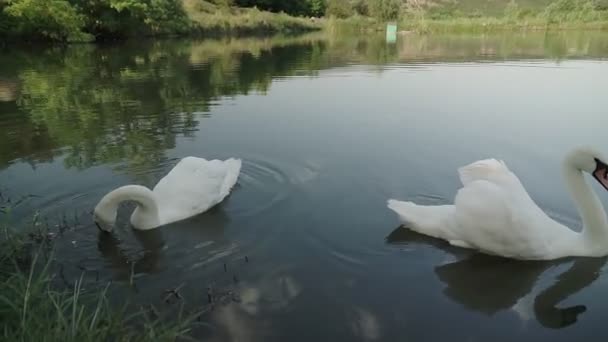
316,7
54,19
131,17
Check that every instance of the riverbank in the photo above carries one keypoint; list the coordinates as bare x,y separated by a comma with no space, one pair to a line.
464,25
60,21
33,307
462,17
63,21
208,19
478,25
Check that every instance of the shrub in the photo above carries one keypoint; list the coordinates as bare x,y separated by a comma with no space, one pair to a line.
384,9
54,19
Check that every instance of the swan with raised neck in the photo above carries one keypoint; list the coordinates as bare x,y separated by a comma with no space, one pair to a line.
493,213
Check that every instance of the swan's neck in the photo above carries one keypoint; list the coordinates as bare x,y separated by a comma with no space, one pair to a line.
595,225
146,214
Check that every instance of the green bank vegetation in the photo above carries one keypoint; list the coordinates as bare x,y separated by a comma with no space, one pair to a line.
470,15
34,308
561,14
86,20
218,19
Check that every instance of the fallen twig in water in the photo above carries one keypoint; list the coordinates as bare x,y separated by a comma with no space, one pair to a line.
173,292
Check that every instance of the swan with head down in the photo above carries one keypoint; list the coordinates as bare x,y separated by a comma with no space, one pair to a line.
192,187
494,214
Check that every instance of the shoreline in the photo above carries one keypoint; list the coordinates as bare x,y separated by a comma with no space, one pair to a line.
463,25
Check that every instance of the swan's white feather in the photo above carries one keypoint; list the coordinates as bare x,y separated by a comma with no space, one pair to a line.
193,186
492,220
492,213
492,170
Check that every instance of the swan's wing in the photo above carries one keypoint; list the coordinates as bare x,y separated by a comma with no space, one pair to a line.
496,172
490,218
194,185
491,170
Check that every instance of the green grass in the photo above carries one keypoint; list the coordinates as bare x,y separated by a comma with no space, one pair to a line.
490,7
495,8
491,15
212,19
32,309
489,24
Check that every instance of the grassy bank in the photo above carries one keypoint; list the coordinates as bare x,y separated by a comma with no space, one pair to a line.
474,16
561,14
34,308
208,19
473,25
79,21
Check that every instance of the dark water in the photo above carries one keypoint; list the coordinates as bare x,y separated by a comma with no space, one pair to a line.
328,129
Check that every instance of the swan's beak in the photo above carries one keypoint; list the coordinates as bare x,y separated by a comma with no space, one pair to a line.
601,173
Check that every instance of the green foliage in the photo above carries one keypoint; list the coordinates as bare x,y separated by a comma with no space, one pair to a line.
513,12
316,7
52,19
223,3
572,10
8,23
248,21
165,16
292,7
385,9
31,309
339,8
65,20
121,18
361,7
523,14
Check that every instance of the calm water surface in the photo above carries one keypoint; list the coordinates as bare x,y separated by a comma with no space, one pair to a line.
328,128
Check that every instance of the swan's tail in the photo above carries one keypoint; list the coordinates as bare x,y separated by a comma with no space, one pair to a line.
233,169
431,220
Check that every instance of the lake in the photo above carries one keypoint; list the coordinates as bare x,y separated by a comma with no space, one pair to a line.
328,127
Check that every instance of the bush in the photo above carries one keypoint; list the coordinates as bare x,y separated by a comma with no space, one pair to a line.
316,7
361,7
339,8
120,18
384,9
53,19
65,20
571,10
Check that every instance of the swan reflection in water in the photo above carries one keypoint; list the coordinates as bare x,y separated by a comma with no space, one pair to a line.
148,254
489,284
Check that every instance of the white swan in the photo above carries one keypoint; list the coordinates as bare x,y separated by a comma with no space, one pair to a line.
193,186
494,214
